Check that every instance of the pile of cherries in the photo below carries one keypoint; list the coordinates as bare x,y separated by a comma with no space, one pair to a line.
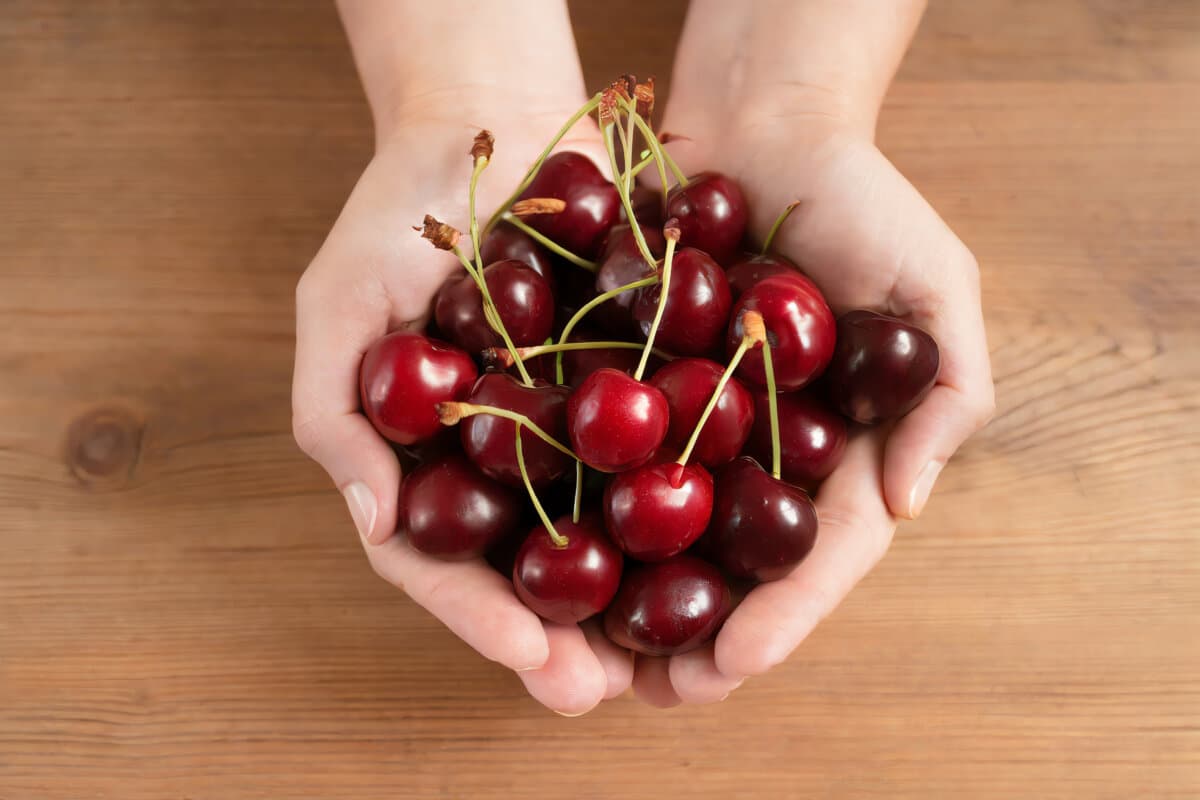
619,367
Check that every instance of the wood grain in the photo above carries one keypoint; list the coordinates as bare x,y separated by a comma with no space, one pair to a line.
184,608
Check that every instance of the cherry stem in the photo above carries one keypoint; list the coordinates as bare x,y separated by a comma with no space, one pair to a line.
578,492
661,157
586,109
664,288
627,146
633,224
548,243
745,345
587,307
646,161
558,539
492,315
481,163
787,211
566,347
627,141
450,413
773,410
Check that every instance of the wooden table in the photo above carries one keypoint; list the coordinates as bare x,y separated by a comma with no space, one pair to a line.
184,607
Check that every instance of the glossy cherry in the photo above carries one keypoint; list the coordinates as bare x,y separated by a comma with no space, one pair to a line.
698,303
882,367
688,384
506,243
490,441
571,583
622,263
761,527
755,268
668,608
404,376
615,422
593,204
812,437
451,510
656,511
521,295
800,328
712,214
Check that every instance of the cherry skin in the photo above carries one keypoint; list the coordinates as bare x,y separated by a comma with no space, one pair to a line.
615,422
403,377
668,608
761,527
571,583
698,303
800,328
812,438
507,243
688,384
451,510
490,441
882,367
746,273
656,511
712,214
593,204
579,364
522,297
622,263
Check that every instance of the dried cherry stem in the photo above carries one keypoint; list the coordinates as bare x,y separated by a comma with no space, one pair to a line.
643,248
558,539
490,313
587,307
586,109
547,243
452,412
773,410
787,212
578,504
754,333
671,232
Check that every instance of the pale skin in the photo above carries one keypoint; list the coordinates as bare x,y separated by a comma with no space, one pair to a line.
783,96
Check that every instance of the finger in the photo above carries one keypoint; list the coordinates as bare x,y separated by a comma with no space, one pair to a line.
616,661
652,682
470,598
572,681
855,530
696,679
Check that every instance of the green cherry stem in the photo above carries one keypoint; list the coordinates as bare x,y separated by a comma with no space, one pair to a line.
558,538
671,232
661,157
787,211
549,244
578,504
490,313
452,412
586,308
646,161
773,409
643,248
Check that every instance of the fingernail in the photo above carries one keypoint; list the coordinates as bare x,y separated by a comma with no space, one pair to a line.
526,669
922,487
565,714
362,507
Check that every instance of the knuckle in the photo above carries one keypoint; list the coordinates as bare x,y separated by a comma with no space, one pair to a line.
306,432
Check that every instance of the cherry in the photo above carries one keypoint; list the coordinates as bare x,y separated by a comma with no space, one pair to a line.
755,268
507,243
668,608
490,441
698,302
615,422
571,583
404,376
688,383
656,511
647,207
449,509
622,263
761,526
579,364
521,295
882,366
712,214
812,437
593,203
800,328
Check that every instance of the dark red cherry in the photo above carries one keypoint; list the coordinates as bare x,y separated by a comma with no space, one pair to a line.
593,204
571,583
698,303
615,422
579,364
490,441
507,243
522,297
647,207
668,608
752,269
656,511
882,367
451,510
622,263
712,214
403,377
800,328
812,438
688,384
761,527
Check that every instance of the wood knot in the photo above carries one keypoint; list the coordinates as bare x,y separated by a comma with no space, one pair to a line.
103,447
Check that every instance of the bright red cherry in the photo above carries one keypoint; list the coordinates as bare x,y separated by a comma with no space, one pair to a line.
752,269
622,263
522,297
812,438
668,608
451,510
761,527
882,367
688,384
712,214
615,422
404,376
656,511
507,243
698,303
490,441
800,328
593,204
571,583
